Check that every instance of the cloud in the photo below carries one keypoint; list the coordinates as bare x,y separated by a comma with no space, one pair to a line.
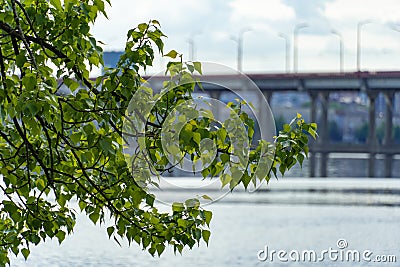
175,16
263,49
382,11
272,10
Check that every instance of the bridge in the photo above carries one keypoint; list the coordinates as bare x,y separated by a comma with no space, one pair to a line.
319,86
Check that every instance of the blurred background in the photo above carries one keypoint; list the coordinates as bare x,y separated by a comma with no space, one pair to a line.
359,40
210,30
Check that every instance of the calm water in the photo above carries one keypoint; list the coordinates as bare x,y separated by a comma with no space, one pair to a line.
240,228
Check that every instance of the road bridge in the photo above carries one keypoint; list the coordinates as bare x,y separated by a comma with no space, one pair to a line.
319,86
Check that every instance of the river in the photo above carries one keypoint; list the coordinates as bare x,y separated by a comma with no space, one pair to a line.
293,215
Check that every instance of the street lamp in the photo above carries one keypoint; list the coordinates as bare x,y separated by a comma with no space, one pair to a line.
295,34
359,26
239,41
192,48
287,50
340,48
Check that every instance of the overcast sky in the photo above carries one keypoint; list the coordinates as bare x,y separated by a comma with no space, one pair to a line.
264,50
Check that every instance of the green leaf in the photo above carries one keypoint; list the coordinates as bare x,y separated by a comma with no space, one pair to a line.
56,4
286,128
236,177
174,150
20,60
177,206
106,146
171,54
25,252
313,125
94,217
192,203
224,158
100,6
197,67
206,197
182,223
150,199
40,184
32,107
208,216
76,137
29,82
142,27
312,132
197,138
72,84
225,179
110,231
155,22
61,199
60,236
206,235
282,168
246,178
82,205
160,248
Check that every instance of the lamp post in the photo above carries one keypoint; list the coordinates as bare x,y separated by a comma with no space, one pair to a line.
295,49
239,41
359,26
287,50
192,47
341,50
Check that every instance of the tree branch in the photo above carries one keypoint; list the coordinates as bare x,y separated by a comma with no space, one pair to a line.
16,18
13,32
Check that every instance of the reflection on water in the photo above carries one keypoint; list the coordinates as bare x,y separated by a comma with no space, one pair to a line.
245,223
239,231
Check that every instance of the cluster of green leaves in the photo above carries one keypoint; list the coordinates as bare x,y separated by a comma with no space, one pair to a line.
291,144
59,148
69,146
177,128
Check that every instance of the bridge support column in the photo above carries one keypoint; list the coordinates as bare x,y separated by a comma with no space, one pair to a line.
388,139
313,117
372,141
264,119
214,94
268,96
324,133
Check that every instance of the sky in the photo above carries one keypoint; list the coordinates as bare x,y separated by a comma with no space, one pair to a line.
214,24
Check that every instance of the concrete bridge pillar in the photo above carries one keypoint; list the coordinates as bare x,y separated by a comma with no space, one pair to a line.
268,96
324,132
372,141
264,118
388,139
215,94
313,118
